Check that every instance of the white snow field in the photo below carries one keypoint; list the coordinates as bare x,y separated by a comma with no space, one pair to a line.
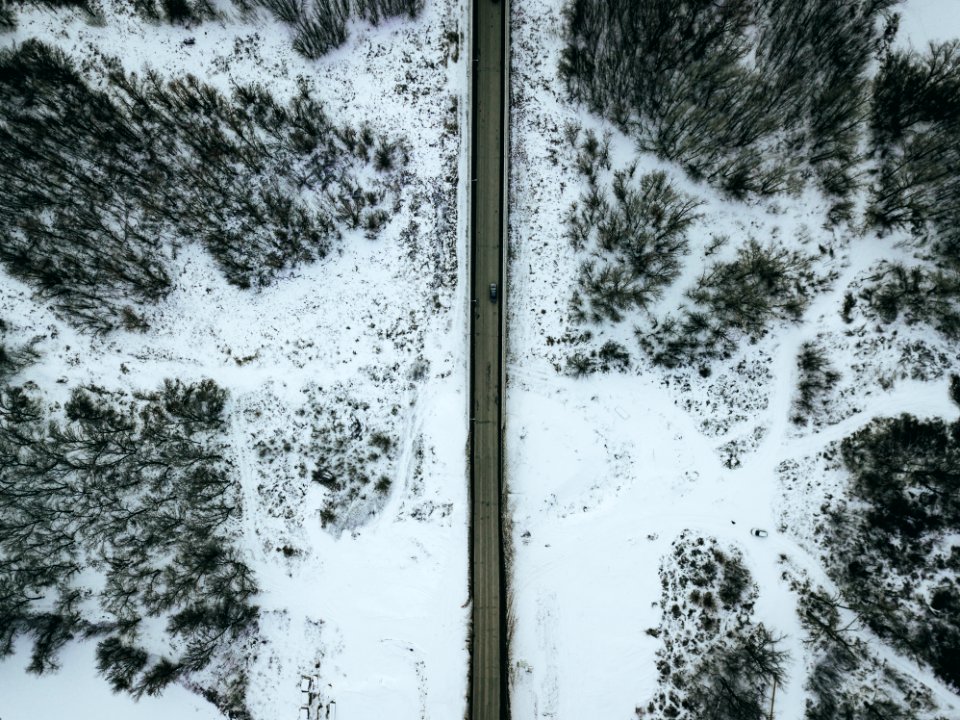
925,21
605,472
375,616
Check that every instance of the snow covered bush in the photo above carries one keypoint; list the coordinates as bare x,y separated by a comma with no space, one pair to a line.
322,28
611,356
321,25
178,12
716,663
377,10
99,187
13,358
8,19
335,444
817,377
735,300
916,294
635,235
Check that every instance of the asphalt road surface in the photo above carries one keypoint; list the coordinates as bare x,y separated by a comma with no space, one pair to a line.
488,671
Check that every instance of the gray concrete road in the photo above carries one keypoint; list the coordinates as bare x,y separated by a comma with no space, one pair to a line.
488,671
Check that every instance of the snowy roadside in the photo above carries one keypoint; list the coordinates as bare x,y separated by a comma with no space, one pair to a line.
375,613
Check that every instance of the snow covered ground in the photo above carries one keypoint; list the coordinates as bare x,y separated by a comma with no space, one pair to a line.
925,21
375,615
605,472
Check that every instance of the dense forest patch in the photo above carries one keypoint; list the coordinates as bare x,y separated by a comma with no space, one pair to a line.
118,521
915,140
99,187
891,543
748,95
847,680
